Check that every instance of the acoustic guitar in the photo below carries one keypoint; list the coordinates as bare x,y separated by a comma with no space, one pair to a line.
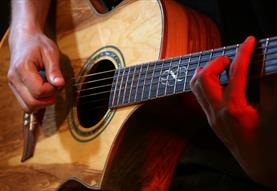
107,130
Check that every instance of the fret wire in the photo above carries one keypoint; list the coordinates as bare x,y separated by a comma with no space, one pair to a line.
185,81
169,69
237,48
259,45
120,88
152,78
150,88
132,83
199,59
115,87
143,86
211,55
124,93
230,55
223,53
129,84
112,90
190,76
177,74
263,62
159,78
191,68
117,79
197,65
138,82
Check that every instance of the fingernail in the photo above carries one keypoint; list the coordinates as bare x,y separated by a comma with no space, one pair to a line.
57,80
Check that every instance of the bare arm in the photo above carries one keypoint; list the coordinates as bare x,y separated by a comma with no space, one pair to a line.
32,51
29,15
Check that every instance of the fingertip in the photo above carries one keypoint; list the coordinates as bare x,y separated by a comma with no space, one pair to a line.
247,47
57,81
222,61
251,39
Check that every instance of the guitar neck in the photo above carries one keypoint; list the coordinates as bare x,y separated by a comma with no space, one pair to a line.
172,76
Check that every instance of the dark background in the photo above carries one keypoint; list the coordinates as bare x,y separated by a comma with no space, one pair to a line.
235,18
4,16
239,18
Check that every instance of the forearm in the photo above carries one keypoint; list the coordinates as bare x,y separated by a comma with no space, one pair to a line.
28,15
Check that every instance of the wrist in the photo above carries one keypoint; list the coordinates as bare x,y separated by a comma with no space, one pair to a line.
21,31
28,17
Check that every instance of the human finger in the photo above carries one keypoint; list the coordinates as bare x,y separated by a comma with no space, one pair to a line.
37,86
209,82
26,100
239,69
50,57
196,90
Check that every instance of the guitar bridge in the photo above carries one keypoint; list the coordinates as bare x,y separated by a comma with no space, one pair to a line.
30,124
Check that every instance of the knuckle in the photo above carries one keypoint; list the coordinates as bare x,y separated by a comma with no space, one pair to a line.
198,80
11,76
18,67
38,93
51,49
232,111
202,76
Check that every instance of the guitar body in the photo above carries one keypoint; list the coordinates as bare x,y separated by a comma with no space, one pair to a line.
125,148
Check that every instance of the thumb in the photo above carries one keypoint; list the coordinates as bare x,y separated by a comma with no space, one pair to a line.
52,67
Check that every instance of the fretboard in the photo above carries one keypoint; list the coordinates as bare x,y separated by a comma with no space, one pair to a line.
172,76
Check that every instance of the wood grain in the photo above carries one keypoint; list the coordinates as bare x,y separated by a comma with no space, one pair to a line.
142,31
80,32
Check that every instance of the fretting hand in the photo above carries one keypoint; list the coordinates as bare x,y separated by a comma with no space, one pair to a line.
247,132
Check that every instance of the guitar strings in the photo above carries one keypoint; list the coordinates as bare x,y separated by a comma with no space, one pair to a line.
201,61
146,77
162,66
130,92
47,117
193,54
188,76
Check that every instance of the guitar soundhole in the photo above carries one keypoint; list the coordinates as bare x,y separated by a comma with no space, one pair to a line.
94,94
